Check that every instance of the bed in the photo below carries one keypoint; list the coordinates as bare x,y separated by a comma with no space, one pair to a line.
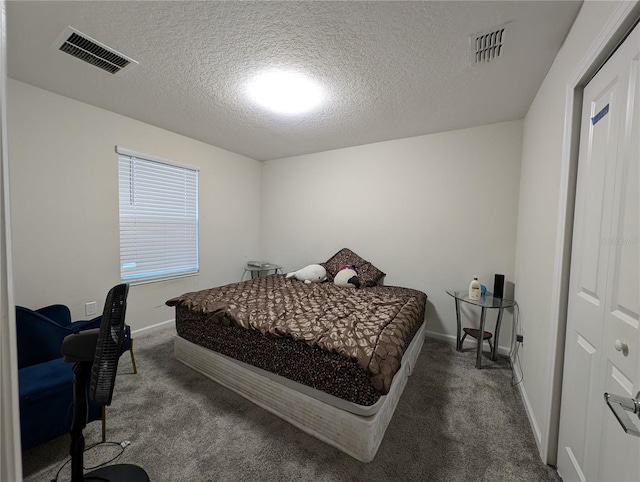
332,361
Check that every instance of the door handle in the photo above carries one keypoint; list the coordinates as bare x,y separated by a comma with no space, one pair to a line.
619,406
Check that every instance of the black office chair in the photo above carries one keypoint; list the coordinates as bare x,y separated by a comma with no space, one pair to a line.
95,355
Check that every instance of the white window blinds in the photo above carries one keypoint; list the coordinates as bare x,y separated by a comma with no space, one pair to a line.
158,218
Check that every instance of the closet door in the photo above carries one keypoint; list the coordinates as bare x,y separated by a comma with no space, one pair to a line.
620,453
601,352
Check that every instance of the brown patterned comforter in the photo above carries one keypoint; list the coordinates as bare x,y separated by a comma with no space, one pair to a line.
372,326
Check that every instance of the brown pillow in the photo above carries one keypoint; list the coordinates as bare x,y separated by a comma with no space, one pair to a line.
367,273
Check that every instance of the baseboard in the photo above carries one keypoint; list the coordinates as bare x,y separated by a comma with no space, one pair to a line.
468,343
530,415
152,328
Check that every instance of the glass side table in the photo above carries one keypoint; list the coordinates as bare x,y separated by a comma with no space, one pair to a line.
485,302
256,270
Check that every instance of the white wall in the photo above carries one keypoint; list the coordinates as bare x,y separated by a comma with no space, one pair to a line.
10,453
430,211
64,200
539,216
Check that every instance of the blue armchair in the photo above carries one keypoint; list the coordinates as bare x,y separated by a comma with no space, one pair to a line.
45,381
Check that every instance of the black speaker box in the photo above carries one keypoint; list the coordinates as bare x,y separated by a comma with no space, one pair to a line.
498,286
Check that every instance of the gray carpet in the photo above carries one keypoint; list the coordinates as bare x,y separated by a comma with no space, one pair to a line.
453,423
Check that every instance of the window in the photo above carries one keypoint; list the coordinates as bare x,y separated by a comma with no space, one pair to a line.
158,218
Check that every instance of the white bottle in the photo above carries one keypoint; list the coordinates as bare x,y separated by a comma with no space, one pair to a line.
474,289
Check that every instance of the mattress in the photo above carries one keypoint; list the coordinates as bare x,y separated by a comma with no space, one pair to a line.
346,342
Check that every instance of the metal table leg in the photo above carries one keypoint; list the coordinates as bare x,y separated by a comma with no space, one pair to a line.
483,317
494,352
459,332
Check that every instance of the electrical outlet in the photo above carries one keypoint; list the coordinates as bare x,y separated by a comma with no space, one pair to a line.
90,309
520,338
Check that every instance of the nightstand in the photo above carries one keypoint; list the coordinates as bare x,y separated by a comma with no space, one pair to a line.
263,268
485,302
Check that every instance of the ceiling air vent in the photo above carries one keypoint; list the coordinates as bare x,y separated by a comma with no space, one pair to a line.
91,51
487,46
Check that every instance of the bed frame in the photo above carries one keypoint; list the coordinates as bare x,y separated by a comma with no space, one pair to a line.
356,435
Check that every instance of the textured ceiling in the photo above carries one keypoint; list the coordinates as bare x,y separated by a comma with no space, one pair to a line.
390,69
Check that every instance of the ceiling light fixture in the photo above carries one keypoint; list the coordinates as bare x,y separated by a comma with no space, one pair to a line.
285,92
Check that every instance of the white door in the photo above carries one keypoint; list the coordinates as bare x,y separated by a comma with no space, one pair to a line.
603,335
